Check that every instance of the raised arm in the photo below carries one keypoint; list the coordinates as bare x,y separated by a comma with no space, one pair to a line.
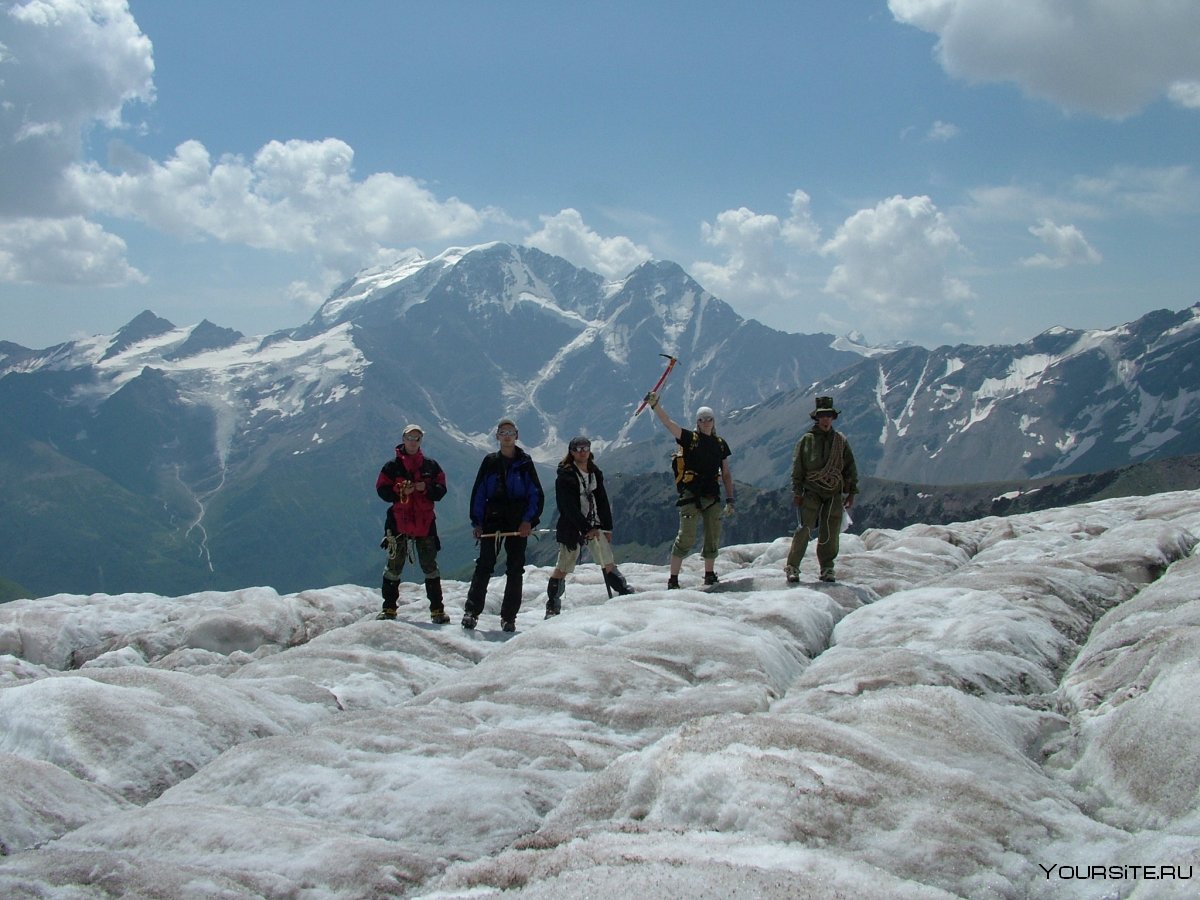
668,422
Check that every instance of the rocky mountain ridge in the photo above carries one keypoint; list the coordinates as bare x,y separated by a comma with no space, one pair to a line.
179,459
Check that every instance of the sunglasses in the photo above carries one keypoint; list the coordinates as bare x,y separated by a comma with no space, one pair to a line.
415,436
586,448
507,432
705,419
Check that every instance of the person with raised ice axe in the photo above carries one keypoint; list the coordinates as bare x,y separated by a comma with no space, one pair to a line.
702,467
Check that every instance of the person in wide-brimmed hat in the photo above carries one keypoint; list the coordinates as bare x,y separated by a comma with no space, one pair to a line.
824,482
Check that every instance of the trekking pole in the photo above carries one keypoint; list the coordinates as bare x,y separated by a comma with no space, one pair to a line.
503,534
659,383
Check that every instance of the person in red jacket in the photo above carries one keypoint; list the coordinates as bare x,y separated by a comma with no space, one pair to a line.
411,483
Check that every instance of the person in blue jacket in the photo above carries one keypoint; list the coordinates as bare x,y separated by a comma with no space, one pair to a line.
506,505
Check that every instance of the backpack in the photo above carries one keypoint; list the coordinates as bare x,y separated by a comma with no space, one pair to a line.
683,476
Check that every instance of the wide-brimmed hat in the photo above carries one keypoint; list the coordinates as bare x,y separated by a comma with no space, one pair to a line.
824,406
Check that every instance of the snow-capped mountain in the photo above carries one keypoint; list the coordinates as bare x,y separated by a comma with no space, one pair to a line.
1065,402
178,459
166,458
510,329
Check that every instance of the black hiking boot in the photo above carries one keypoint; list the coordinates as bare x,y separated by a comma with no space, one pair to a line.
508,624
673,583
439,617
469,621
616,581
710,578
554,594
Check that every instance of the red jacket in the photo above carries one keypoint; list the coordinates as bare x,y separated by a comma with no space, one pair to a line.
412,511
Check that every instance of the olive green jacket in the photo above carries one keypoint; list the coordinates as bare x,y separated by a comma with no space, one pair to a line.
810,462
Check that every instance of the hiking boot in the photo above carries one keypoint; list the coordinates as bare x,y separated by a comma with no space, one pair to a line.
616,582
710,577
508,624
554,593
673,583
439,617
468,621
827,575
386,614
792,574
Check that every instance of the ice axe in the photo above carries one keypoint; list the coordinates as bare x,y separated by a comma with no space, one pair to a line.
662,379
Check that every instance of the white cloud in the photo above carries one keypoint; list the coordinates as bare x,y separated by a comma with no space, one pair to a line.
565,234
1065,244
893,270
942,131
63,251
1019,203
763,262
49,104
1185,93
1155,192
1108,57
297,196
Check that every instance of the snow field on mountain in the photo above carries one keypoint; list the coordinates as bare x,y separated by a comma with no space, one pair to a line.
971,708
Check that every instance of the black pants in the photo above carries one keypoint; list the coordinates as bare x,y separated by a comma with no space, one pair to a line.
514,570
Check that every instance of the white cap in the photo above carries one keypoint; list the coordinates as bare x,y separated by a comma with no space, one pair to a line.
705,412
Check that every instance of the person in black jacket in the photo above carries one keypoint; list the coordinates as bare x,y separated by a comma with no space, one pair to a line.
506,505
705,467
584,517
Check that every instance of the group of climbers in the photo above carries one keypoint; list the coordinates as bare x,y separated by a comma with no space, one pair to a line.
507,502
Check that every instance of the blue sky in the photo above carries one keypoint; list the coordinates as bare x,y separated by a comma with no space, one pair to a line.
939,171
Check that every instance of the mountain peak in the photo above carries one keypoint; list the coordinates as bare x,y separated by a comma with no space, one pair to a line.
144,325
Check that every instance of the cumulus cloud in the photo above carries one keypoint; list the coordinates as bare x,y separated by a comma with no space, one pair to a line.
1065,246
565,234
297,196
763,258
893,269
68,251
49,105
1108,57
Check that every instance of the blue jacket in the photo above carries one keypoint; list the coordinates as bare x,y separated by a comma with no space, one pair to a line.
507,492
